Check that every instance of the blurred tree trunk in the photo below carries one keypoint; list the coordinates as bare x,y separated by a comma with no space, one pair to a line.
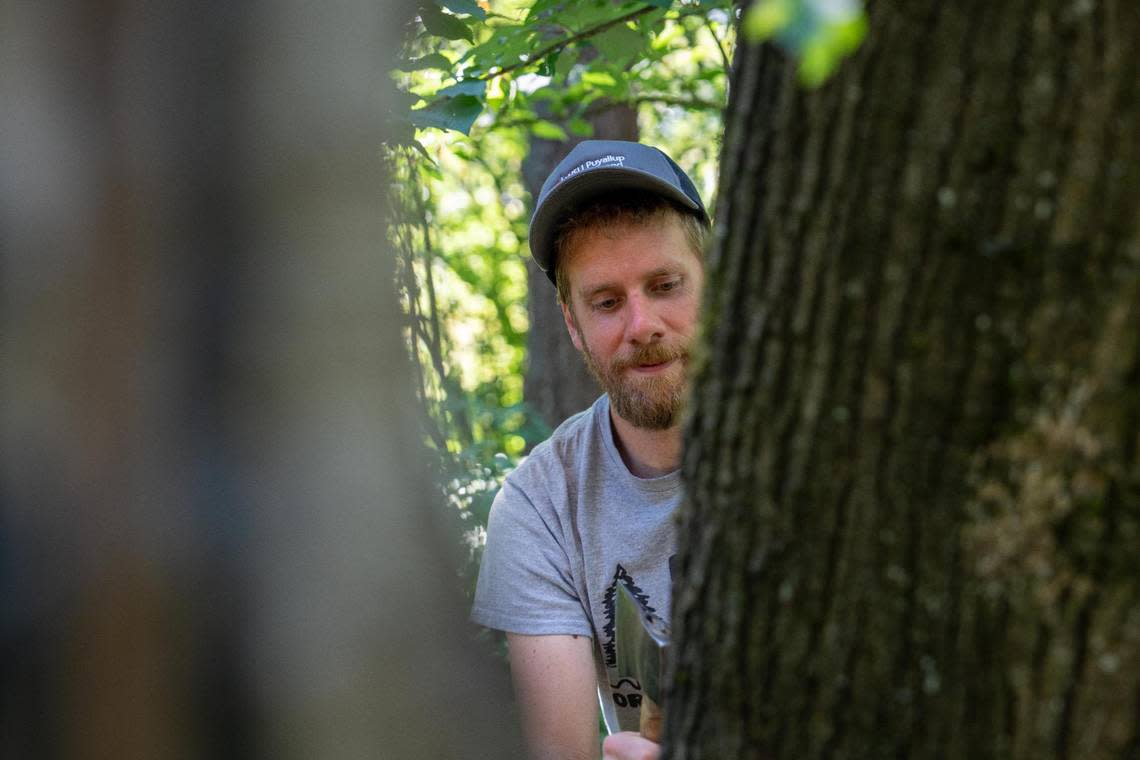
913,458
557,382
217,530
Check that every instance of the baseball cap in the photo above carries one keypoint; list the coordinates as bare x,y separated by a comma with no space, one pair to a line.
595,167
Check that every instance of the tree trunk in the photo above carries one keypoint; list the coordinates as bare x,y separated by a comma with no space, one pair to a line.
557,383
912,457
216,522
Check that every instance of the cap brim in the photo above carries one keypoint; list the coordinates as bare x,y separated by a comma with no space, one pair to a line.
572,192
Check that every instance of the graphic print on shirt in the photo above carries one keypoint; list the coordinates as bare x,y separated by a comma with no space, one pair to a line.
626,691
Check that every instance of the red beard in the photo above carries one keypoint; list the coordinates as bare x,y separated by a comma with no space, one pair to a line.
653,401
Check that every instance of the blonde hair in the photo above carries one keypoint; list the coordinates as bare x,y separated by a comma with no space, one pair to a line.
616,211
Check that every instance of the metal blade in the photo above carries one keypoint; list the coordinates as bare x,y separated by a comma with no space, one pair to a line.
639,641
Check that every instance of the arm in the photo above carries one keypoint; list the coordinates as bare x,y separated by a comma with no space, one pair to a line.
556,687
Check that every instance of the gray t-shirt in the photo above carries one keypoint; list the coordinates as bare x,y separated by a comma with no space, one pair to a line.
569,523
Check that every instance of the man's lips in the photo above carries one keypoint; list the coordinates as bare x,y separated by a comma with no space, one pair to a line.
650,369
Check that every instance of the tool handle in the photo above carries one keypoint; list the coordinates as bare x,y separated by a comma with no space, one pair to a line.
651,717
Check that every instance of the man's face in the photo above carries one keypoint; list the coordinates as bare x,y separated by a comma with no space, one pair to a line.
634,298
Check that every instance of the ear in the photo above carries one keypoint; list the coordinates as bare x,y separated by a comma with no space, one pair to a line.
571,326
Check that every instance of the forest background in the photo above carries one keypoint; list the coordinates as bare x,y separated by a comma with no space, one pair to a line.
489,96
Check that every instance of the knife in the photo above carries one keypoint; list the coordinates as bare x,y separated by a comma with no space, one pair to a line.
640,641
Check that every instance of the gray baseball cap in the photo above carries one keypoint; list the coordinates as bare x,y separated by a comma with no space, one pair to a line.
595,167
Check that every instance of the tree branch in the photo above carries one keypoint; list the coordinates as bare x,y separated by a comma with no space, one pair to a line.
723,53
558,46
694,104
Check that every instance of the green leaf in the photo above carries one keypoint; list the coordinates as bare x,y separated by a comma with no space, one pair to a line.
581,127
505,48
651,23
546,66
566,60
429,61
585,14
457,113
666,4
419,146
822,55
816,65
543,8
548,130
401,100
847,36
619,45
766,18
444,24
476,87
820,34
663,37
464,6
400,132
598,78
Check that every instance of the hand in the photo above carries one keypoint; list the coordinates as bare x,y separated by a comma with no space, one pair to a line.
629,746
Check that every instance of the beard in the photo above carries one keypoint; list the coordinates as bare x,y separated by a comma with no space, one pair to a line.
653,402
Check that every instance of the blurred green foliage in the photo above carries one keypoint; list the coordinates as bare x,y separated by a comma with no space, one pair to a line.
818,33
544,64
477,81
463,288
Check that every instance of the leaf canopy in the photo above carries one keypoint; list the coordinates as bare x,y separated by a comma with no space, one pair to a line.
557,57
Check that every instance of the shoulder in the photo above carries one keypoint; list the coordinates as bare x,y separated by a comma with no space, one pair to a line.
556,458
547,479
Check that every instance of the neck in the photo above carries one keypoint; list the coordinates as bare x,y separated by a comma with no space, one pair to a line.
647,453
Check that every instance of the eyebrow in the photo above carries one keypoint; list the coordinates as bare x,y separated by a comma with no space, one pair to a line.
588,293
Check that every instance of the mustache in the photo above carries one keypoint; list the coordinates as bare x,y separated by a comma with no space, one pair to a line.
653,353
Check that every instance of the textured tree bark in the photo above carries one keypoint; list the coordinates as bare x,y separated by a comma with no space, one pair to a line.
912,459
557,383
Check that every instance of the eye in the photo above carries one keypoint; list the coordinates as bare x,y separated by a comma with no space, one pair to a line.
668,285
606,304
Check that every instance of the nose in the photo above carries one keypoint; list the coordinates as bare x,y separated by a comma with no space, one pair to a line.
644,325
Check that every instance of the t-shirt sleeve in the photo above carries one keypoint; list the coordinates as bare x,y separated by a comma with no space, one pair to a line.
525,581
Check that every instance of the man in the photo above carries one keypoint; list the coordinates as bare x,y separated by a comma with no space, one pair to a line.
619,229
